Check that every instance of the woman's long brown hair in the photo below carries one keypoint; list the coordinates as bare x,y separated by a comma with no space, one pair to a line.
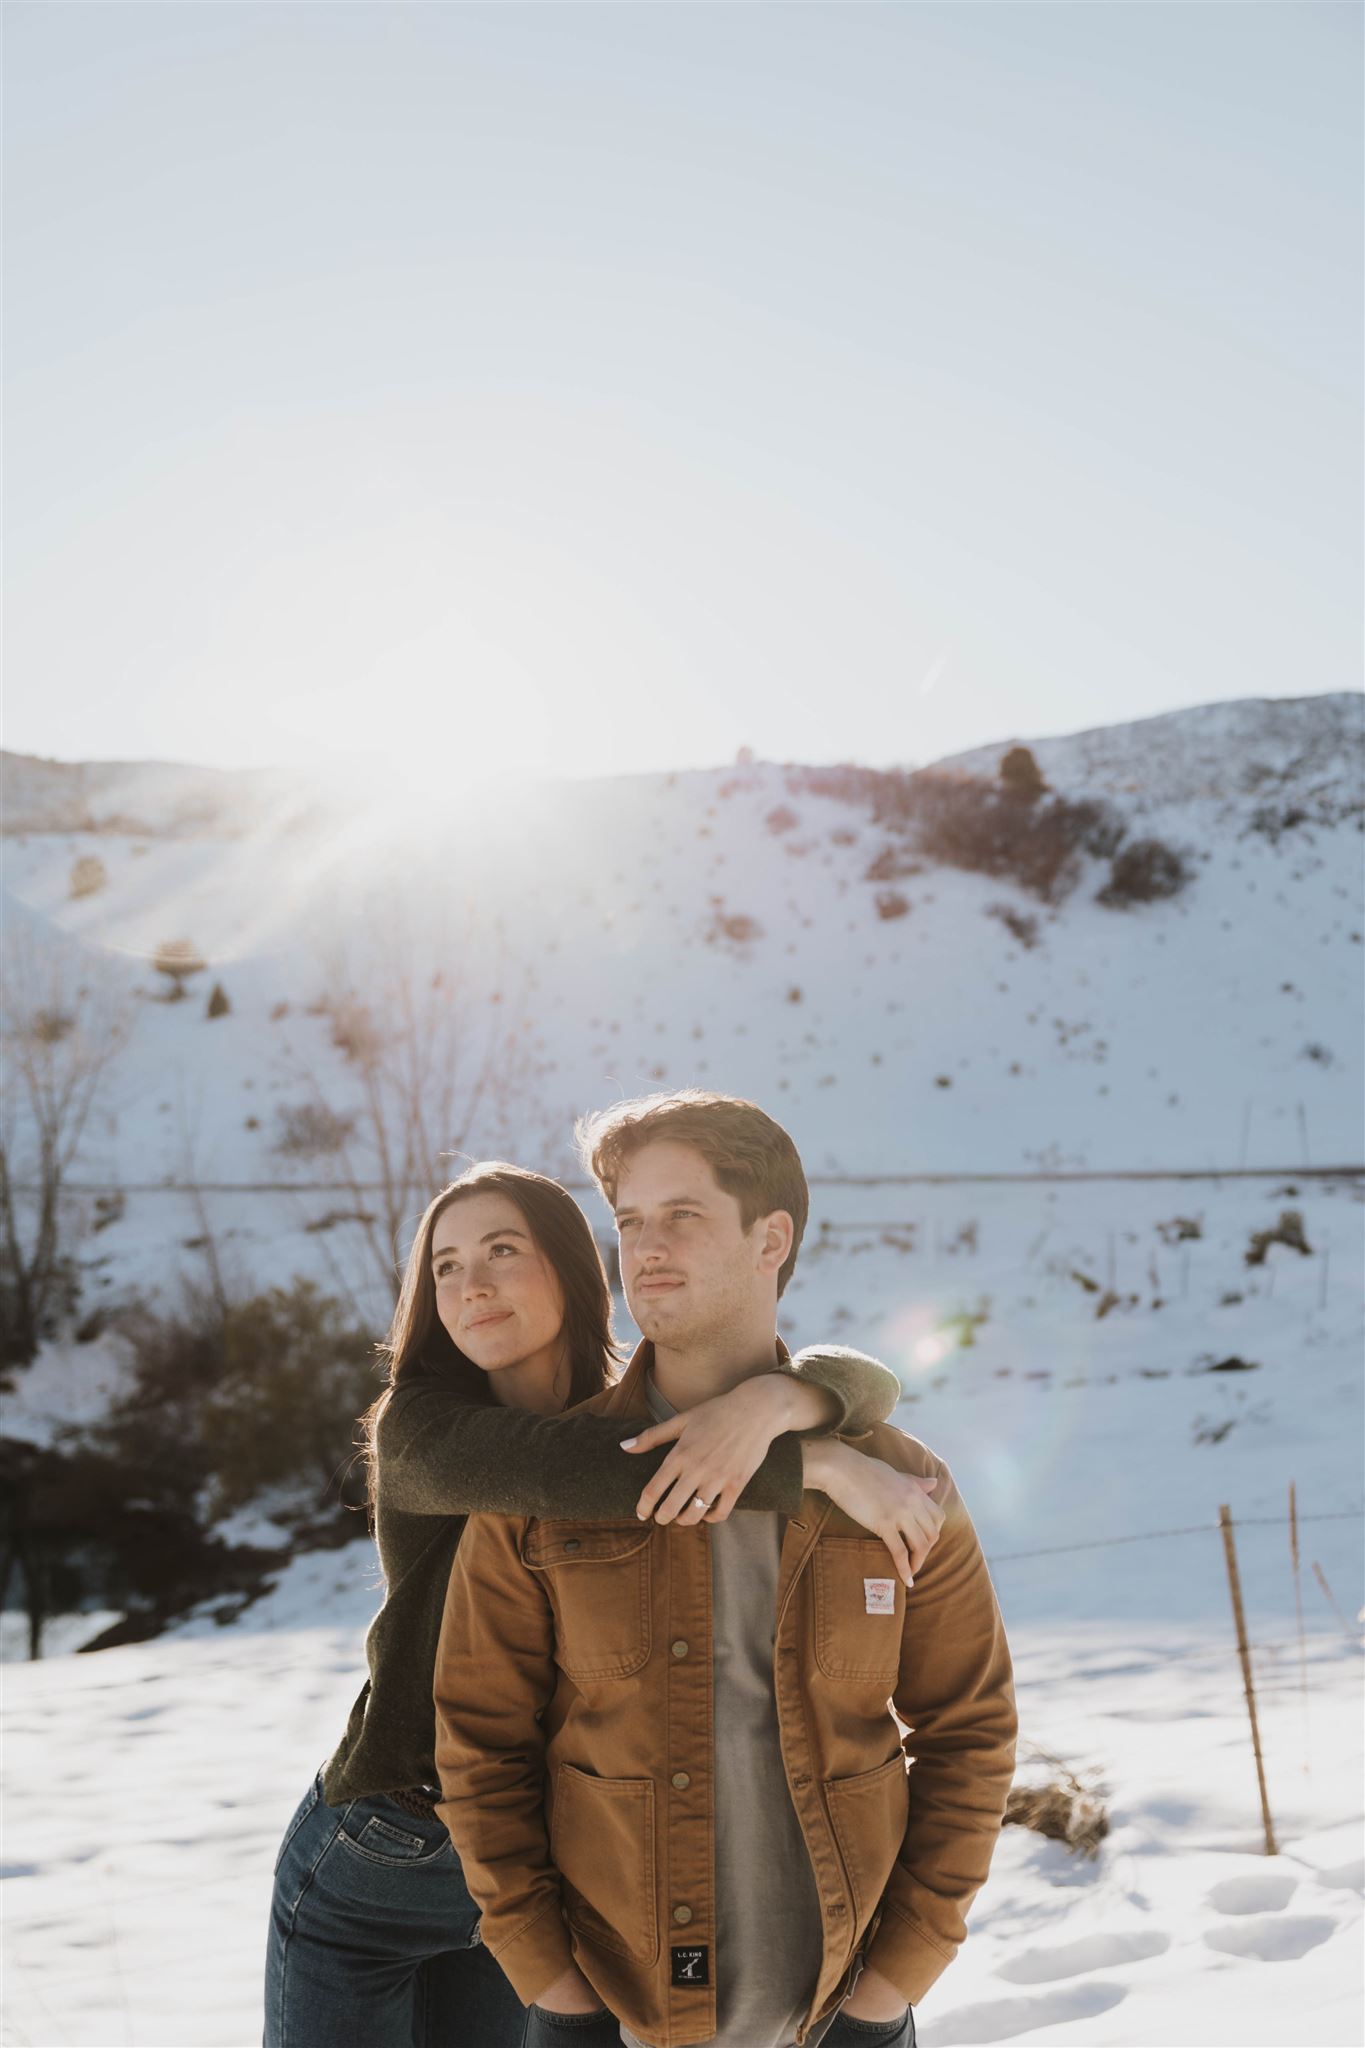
418,1345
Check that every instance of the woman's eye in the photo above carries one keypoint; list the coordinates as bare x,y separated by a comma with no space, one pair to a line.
509,1248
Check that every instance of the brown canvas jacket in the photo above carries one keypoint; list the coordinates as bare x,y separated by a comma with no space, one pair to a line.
574,1742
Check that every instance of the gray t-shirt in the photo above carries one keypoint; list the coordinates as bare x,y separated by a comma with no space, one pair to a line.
769,1929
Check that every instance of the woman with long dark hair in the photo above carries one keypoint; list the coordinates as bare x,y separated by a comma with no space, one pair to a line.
504,1321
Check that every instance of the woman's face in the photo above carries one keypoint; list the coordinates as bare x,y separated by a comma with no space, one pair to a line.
497,1294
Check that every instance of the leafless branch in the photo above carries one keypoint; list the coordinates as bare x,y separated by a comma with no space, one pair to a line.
63,1021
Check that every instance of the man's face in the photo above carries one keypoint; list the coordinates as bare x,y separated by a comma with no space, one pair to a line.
690,1269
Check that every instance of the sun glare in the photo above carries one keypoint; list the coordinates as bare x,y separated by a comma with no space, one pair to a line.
927,1351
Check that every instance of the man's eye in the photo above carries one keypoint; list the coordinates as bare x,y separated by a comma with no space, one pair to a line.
684,1212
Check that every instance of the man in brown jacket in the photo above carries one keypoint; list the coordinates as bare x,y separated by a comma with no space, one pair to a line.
725,1783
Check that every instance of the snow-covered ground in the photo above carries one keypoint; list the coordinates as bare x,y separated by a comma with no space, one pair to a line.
146,1785
1096,1359
150,1785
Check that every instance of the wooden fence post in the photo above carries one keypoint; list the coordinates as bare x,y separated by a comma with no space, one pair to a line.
1244,1652
1298,1608
1350,1634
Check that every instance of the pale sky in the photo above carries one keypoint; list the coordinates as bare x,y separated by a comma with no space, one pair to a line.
573,389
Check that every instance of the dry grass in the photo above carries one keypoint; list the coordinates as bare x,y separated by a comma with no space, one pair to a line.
1059,1805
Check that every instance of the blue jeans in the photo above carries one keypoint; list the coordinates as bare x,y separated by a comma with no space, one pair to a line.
571,2029
374,1939
850,2033
600,2030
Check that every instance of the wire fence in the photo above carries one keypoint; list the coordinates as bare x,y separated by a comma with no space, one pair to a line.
1023,1178
1156,1535
1212,1647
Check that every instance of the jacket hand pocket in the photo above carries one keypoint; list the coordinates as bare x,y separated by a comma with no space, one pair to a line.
602,1842
859,1610
868,1813
597,1578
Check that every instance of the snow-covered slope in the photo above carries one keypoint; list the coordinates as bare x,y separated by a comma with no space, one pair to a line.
1240,754
720,928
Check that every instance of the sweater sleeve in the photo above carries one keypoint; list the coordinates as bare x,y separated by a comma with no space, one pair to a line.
440,1455
866,1391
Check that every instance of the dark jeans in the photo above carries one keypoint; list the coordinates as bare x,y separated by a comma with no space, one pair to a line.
851,2033
374,1939
600,2030
571,2029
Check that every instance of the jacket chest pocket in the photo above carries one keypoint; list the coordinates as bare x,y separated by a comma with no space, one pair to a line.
859,1610
598,1580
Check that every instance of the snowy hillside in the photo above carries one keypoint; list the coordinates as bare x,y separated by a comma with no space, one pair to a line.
1243,755
721,928
1103,1361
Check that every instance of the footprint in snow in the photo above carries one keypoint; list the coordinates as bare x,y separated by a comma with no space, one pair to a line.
1345,1877
1260,1891
1091,1952
1273,1937
1001,2019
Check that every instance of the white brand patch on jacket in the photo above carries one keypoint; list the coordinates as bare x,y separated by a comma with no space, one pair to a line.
880,1595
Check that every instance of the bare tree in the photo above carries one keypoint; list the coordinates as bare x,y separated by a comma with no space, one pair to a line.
62,1023
438,1061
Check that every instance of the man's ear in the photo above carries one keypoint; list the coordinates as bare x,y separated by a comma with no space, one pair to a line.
775,1234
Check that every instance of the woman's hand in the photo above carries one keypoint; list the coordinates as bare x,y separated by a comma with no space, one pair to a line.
891,1504
720,1444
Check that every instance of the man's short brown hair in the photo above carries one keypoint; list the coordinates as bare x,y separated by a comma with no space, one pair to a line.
751,1156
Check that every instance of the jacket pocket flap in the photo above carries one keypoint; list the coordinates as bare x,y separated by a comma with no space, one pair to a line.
556,1543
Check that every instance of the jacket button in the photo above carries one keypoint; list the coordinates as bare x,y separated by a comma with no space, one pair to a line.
681,1915
572,1543
679,1649
680,1781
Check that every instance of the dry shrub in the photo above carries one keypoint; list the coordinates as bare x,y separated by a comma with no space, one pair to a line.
1147,871
987,826
50,1027
311,1130
1288,1231
355,1033
893,864
996,829
730,928
1060,1805
1019,923
88,876
1021,771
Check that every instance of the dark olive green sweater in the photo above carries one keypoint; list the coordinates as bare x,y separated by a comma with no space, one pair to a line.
440,1458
